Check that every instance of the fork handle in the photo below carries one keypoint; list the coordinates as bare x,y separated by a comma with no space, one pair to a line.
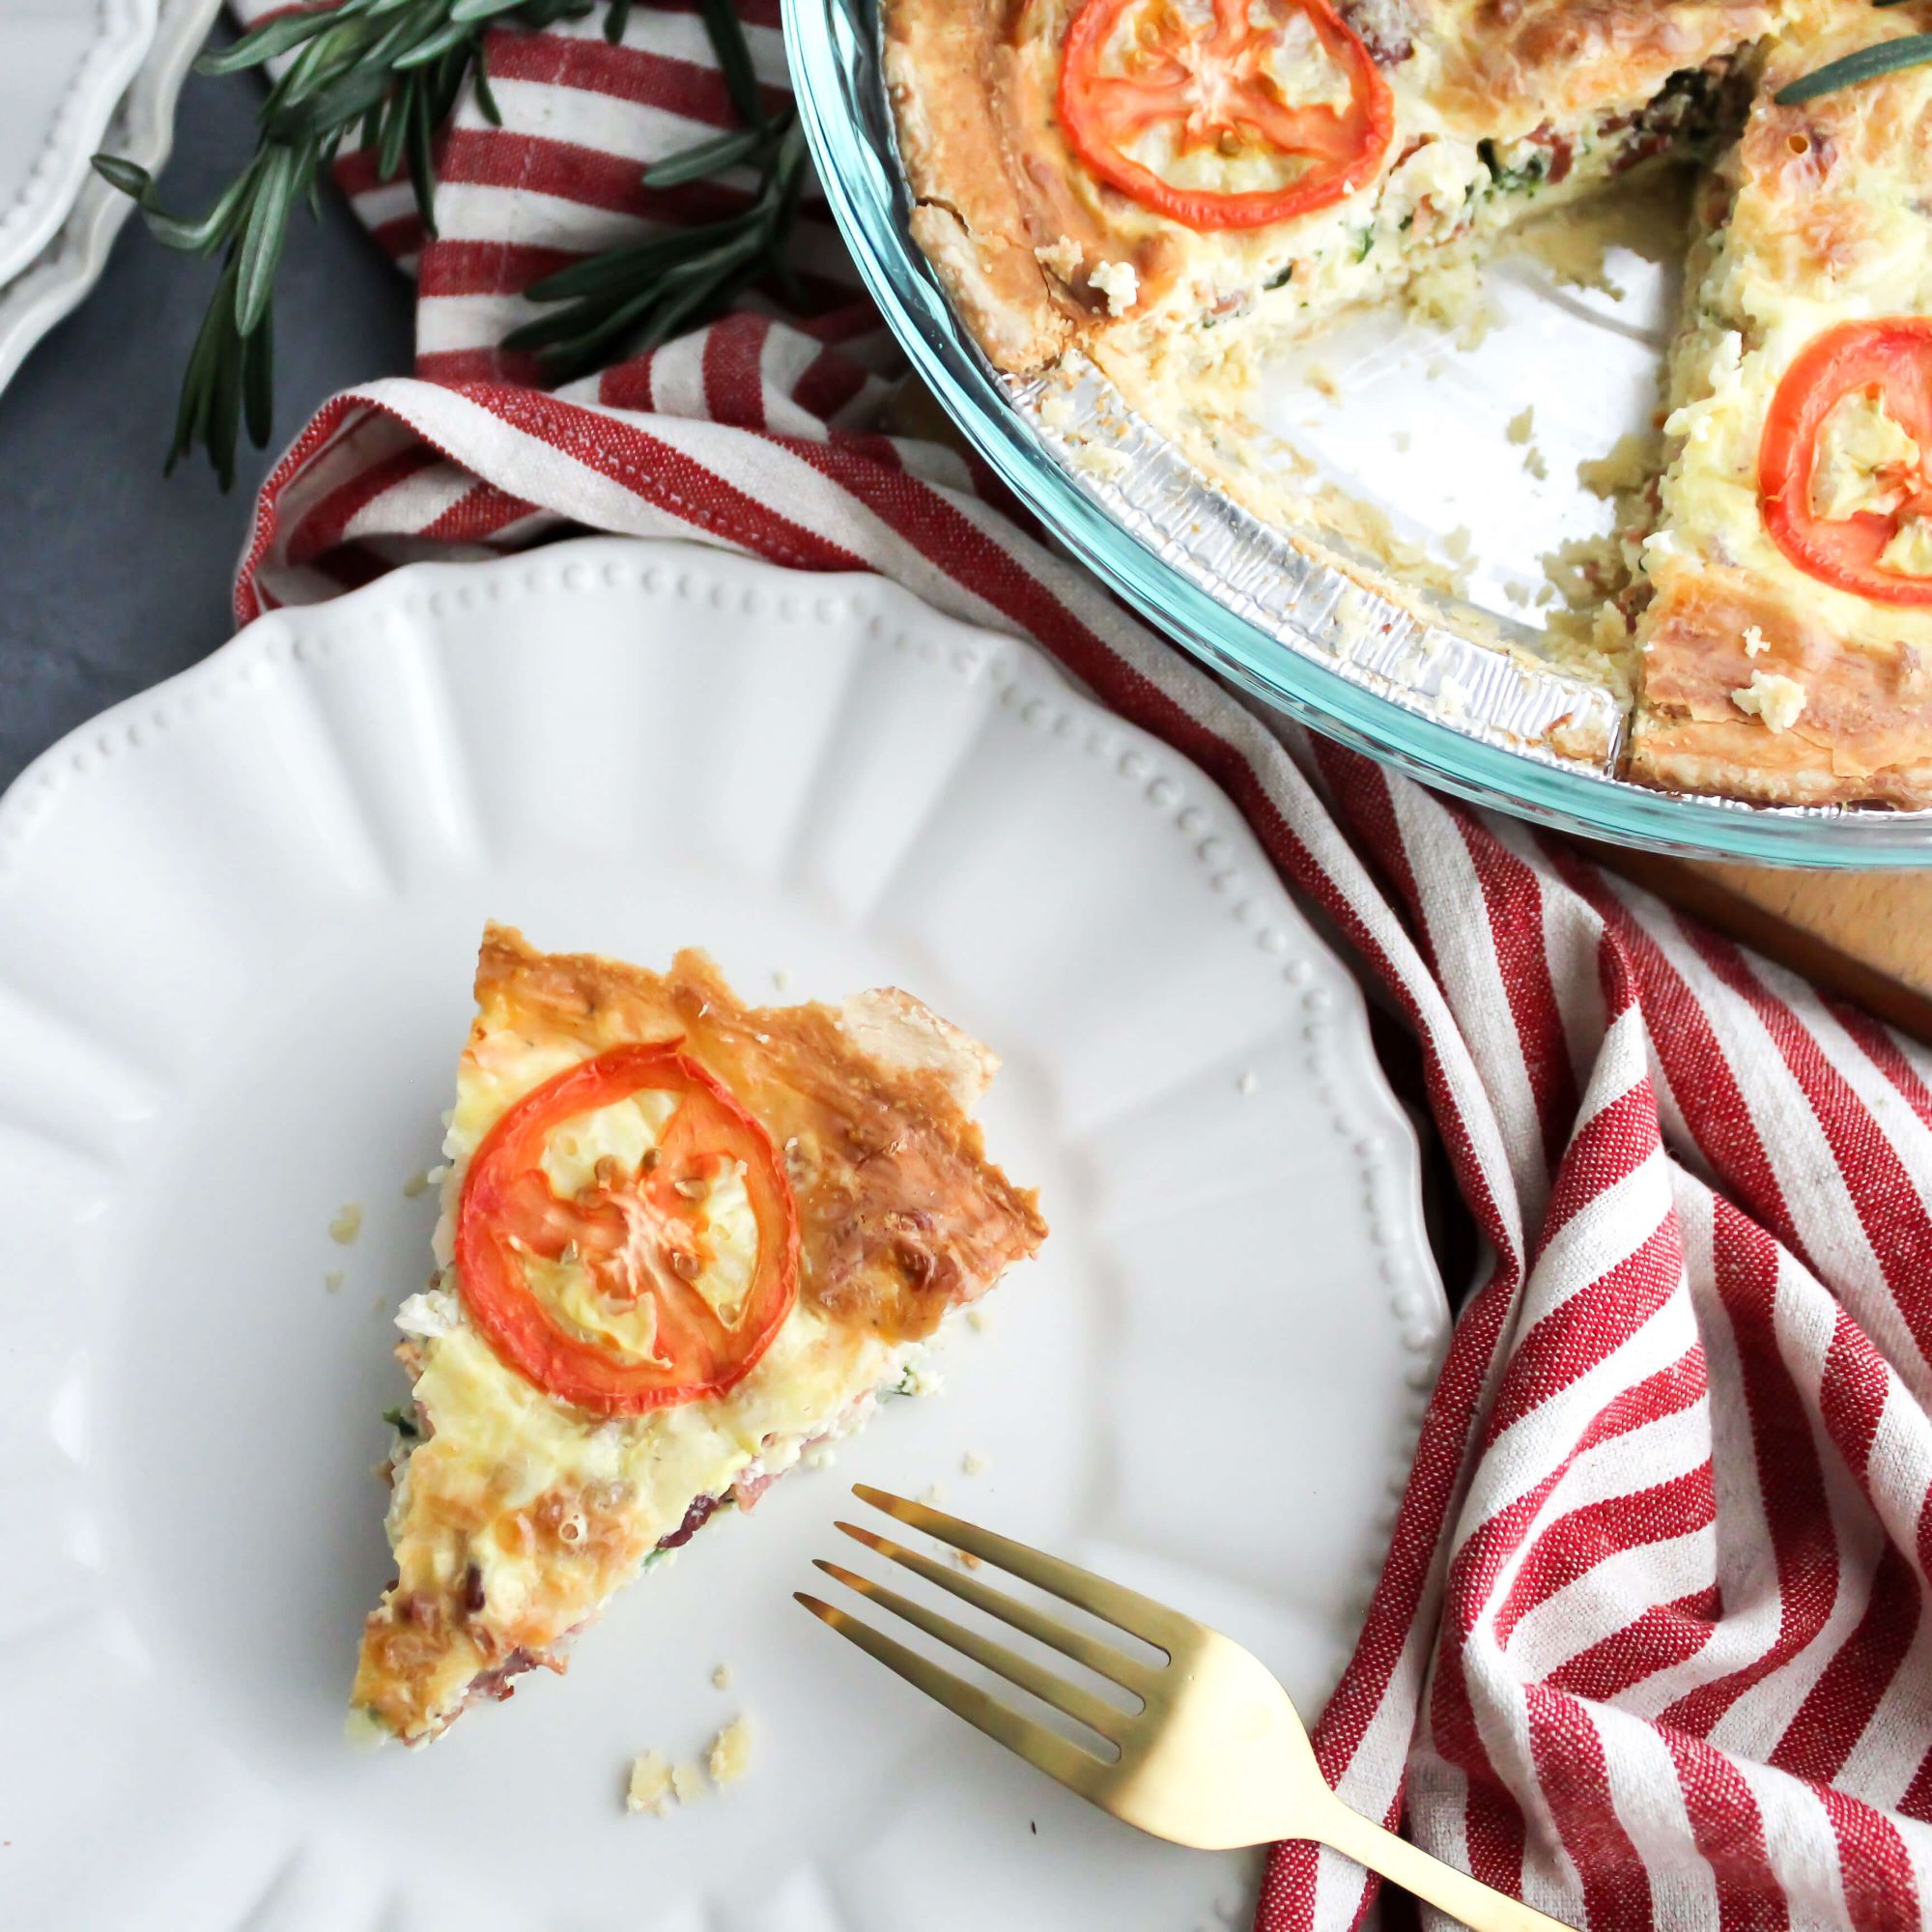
1477,1905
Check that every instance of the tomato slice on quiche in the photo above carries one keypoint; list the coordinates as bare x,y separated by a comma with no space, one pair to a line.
682,1240
1842,465
1282,93
623,1284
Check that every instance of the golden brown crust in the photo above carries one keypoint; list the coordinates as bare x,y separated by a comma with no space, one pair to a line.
1565,57
1863,736
901,1216
968,215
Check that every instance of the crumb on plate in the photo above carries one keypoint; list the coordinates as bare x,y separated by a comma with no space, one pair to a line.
730,1753
650,1786
347,1225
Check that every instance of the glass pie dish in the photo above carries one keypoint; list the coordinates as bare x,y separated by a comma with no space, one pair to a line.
1255,614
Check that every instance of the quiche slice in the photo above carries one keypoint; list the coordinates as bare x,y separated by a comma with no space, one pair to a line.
1092,169
682,1240
1785,647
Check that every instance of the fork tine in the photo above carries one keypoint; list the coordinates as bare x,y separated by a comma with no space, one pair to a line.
1046,1751
1125,1610
1048,1686
1102,1659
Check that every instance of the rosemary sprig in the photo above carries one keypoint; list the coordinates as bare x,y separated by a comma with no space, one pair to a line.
1852,69
631,299
384,74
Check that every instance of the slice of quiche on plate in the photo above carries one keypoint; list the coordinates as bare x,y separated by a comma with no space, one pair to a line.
682,1240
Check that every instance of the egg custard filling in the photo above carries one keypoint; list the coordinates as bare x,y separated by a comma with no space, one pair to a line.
681,1242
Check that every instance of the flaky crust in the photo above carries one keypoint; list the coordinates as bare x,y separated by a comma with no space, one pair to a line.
877,1140
968,214
1864,737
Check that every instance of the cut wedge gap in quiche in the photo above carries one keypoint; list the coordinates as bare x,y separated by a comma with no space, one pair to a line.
682,1242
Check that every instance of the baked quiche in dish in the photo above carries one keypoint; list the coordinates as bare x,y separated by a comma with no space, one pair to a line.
1119,177
682,1242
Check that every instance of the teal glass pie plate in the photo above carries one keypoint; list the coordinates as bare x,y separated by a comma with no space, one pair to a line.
834,48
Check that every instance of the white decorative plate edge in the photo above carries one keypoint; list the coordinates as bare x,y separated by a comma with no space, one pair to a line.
52,285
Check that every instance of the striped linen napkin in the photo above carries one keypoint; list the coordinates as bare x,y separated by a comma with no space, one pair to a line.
1651,1646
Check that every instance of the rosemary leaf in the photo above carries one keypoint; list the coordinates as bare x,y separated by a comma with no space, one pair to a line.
130,177
734,59
361,91
258,380
422,166
434,46
623,268
224,412
706,157
396,131
263,43
616,18
1867,64
261,251
486,99
212,342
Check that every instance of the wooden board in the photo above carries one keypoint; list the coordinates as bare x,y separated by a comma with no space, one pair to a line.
1865,934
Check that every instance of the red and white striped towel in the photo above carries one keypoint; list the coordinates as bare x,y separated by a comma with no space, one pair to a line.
1652,1646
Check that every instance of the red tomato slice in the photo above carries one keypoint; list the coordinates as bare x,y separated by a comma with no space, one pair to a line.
1892,361
1130,67
642,1238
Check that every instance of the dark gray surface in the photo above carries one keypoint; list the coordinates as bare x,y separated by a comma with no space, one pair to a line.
110,578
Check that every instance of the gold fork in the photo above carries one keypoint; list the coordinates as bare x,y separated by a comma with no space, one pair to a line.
1214,1757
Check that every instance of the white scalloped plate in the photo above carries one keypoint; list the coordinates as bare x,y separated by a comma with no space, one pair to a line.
237,922
63,66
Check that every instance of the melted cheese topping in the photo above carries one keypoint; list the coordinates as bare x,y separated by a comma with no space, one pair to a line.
1495,120
1910,552
501,1444
1775,700
1865,461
